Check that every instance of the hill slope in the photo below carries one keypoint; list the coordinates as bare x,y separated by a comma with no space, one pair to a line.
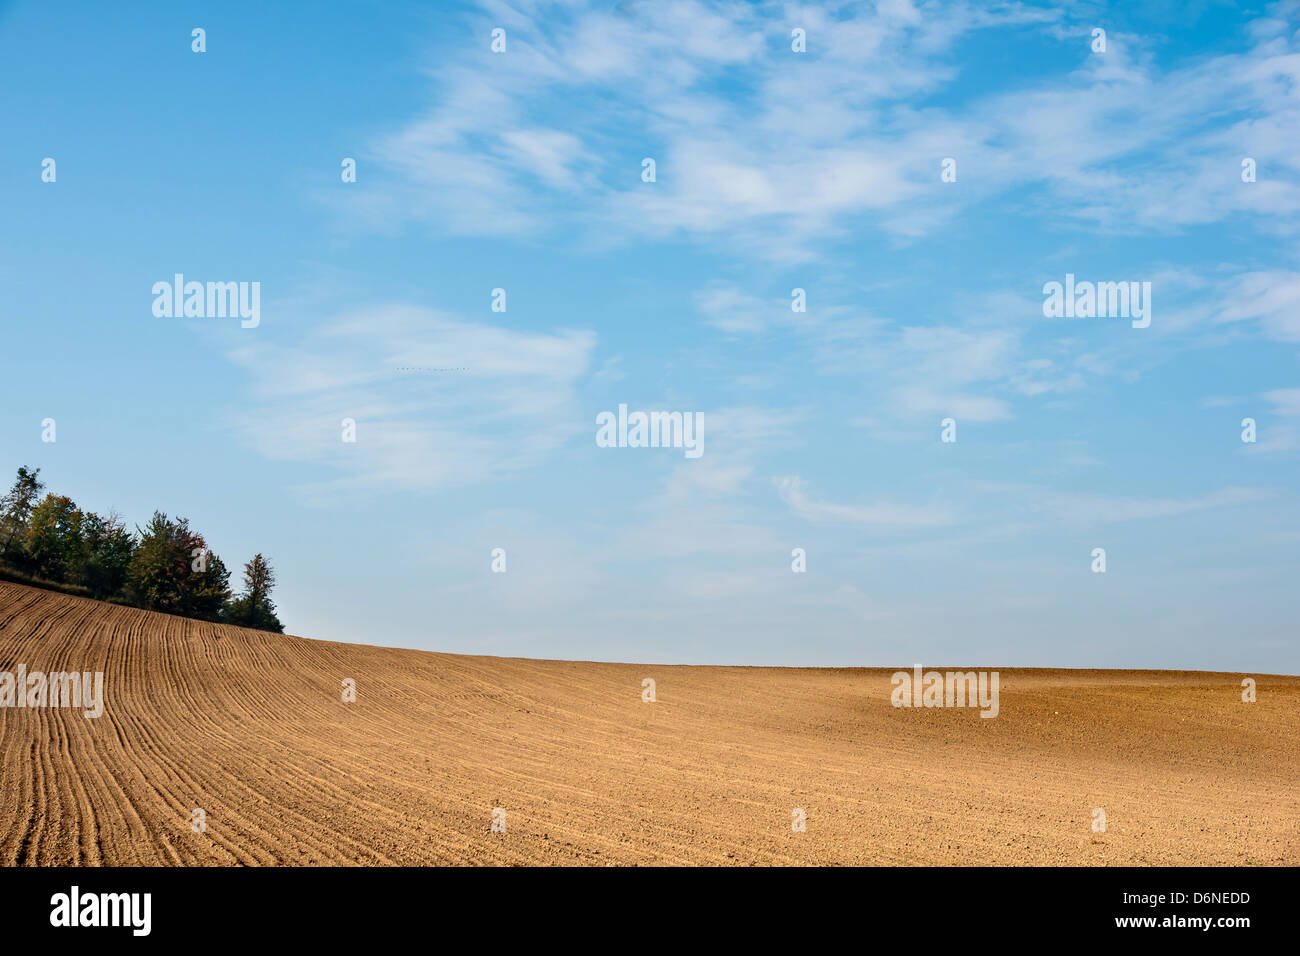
251,728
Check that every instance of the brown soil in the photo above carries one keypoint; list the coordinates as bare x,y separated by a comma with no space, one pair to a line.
251,728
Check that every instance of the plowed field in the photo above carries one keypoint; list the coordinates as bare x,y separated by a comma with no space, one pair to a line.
251,728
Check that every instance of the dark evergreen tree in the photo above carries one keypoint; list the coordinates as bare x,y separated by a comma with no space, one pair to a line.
254,608
16,507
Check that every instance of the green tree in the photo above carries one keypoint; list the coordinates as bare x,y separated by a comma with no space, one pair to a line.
254,608
16,506
54,542
172,570
108,547
207,590
160,565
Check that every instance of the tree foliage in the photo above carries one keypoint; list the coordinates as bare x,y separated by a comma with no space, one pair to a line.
254,608
164,566
16,506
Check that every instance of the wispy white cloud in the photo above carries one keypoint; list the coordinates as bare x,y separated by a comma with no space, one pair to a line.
1285,401
1270,298
791,488
437,401
798,147
1092,509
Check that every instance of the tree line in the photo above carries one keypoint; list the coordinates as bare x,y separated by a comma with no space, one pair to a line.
164,566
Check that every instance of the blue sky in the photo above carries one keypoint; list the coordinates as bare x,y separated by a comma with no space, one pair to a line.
775,170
